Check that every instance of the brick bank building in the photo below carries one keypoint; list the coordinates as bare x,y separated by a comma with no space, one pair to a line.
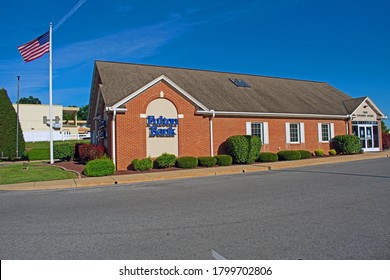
138,111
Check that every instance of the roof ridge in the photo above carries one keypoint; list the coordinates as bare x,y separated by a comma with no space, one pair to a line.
213,71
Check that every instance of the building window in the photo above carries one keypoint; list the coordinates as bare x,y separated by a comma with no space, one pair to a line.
325,132
294,132
257,130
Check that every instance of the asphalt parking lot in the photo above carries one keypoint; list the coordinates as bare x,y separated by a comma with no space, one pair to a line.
332,211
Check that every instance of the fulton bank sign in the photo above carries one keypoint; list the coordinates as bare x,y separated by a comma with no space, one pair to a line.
161,126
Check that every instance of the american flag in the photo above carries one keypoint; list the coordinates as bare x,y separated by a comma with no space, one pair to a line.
36,48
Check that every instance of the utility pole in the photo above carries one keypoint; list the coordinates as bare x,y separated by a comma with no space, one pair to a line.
17,118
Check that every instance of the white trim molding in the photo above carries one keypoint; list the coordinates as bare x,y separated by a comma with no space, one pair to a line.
373,106
152,83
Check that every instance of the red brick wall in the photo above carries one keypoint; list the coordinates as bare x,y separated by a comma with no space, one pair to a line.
194,130
226,127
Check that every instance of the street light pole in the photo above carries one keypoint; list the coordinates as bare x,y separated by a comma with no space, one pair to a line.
17,118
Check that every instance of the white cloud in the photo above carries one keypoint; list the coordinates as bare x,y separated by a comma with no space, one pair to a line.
135,43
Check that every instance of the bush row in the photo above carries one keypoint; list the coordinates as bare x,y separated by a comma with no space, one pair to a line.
169,160
291,155
242,149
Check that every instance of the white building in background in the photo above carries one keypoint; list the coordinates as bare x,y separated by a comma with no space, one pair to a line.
35,122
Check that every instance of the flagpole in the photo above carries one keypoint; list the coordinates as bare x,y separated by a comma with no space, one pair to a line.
17,119
51,93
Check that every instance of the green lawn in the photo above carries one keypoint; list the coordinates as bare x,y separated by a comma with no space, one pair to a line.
16,173
41,150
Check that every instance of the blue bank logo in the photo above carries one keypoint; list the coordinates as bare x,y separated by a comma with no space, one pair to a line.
161,126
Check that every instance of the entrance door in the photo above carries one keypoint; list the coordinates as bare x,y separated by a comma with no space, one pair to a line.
366,138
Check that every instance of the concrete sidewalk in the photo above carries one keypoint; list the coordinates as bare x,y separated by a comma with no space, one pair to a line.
186,173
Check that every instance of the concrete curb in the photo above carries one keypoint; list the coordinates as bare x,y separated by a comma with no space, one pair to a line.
186,173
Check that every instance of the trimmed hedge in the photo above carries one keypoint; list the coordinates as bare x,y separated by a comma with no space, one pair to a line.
99,167
165,160
63,151
319,152
224,160
267,157
187,162
207,161
332,152
305,154
244,148
347,144
289,155
142,164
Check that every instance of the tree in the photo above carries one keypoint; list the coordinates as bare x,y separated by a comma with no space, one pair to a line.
82,114
29,100
384,128
8,128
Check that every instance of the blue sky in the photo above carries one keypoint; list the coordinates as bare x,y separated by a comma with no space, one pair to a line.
342,42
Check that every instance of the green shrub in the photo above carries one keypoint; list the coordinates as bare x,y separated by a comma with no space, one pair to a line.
347,144
267,157
207,161
224,160
305,154
332,152
289,155
244,148
99,167
187,162
319,152
165,160
142,164
63,151
8,128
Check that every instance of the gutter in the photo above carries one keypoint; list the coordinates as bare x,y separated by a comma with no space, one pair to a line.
273,115
211,133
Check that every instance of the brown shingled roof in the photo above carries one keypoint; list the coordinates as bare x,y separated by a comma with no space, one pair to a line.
217,92
352,104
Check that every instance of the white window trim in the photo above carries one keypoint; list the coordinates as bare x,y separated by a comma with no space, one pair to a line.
264,131
288,135
330,132
301,133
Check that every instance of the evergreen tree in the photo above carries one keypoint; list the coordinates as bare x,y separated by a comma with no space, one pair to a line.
8,128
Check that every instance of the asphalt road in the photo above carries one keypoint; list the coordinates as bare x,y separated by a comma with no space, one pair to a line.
339,211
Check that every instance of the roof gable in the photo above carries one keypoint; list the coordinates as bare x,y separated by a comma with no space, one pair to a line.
152,83
354,104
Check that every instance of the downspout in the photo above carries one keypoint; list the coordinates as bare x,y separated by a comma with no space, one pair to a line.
347,125
211,133
113,139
